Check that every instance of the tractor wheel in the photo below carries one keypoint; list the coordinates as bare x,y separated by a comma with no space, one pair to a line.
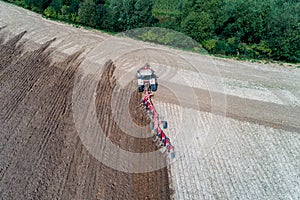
153,87
165,124
140,88
172,155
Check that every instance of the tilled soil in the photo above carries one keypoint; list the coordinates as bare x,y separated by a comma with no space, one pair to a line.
151,185
135,110
42,156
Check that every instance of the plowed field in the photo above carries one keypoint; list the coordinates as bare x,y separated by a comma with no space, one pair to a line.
41,155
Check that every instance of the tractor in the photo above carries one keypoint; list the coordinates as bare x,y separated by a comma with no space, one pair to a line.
146,78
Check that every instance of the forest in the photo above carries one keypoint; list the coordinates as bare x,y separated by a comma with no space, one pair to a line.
246,29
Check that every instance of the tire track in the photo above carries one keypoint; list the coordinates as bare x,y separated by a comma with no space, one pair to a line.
44,125
29,74
10,50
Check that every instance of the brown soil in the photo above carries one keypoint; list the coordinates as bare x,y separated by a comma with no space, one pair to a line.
152,185
136,113
42,156
105,88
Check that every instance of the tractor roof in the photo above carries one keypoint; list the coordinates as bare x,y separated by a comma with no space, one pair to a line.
146,72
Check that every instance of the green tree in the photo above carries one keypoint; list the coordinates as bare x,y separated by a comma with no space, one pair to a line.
87,12
50,12
65,13
198,26
142,13
99,16
56,4
74,6
282,30
129,14
244,28
244,21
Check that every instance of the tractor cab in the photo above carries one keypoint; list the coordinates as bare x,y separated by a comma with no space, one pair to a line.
146,78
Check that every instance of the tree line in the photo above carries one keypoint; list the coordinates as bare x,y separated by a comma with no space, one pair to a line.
252,29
